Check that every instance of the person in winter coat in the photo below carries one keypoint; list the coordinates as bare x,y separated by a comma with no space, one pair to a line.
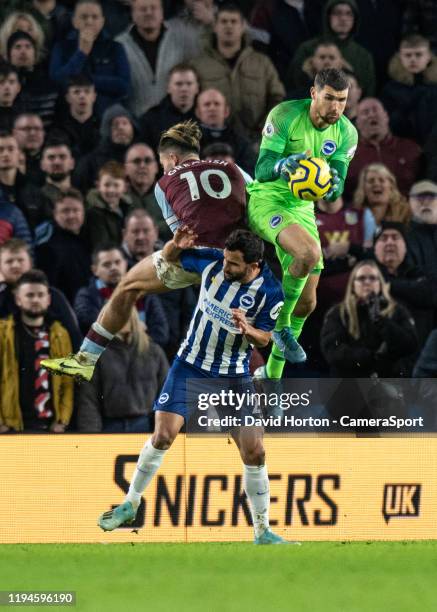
368,333
89,50
118,131
341,22
126,381
410,97
247,78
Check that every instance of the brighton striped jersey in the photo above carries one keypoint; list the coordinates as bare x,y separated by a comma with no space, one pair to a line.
213,343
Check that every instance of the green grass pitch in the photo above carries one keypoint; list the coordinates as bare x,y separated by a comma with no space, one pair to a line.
322,576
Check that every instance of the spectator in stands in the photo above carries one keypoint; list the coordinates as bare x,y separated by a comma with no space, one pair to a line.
140,239
54,19
9,89
63,252
106,205
177,106
194,21
410,97
340,25
219,150
19,21
12,221
354,96
282,25
377,144
30,400
140,236
141,170
29,132
108,267
118,131
368,333
378,190
80,122
420,17
326,55
38,93
126,381
213,112
247,78
57,163
15,186
422,231
15,260
152,49
89,50
407,283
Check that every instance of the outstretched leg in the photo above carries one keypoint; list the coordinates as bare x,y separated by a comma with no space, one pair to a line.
140,280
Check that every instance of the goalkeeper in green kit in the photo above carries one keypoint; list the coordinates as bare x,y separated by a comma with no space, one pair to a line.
295,130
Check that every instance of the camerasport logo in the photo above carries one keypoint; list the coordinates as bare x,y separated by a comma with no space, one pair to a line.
401,501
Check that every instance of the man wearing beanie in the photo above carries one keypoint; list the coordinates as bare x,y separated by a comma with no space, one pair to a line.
38,93
408,283
118,131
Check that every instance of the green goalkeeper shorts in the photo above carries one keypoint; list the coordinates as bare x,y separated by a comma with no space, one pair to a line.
268,217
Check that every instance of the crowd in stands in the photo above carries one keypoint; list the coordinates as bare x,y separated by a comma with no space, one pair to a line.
87,87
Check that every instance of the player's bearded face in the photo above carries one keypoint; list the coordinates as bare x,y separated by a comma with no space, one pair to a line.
330,104
235,269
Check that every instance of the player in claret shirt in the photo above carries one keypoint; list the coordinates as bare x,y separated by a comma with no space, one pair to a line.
209,197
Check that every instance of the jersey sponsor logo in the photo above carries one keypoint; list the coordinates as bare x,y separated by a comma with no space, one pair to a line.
215,311
274,313
247,301
351,152
269,129
163,398
328,147
275,220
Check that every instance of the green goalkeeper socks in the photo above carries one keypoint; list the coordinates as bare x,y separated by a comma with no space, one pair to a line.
293,288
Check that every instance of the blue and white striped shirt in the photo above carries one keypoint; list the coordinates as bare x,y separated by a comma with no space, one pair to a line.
213,343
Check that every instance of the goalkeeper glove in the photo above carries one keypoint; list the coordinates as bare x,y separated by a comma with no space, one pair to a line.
335,185
286,166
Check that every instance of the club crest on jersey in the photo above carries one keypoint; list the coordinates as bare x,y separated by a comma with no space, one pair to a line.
247,301
275,221
351,217
163,398
328,147
274,313
269,129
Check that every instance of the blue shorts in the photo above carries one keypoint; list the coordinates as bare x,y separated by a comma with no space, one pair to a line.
184,384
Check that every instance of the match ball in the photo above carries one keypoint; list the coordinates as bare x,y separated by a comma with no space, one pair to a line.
312,179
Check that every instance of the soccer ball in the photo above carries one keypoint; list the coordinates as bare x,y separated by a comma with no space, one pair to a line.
312,179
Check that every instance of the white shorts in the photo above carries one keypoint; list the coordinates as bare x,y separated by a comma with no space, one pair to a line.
172,275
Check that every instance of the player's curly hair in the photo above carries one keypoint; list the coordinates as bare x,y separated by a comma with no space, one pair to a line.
185,137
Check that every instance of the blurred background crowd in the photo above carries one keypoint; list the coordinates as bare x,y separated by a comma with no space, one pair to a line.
86,88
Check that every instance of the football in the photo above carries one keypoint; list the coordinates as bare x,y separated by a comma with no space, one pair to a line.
312,179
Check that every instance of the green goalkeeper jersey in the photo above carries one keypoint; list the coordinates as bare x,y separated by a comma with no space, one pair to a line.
289,130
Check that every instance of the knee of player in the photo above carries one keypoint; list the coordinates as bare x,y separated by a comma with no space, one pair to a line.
310,255
253,455
162,439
